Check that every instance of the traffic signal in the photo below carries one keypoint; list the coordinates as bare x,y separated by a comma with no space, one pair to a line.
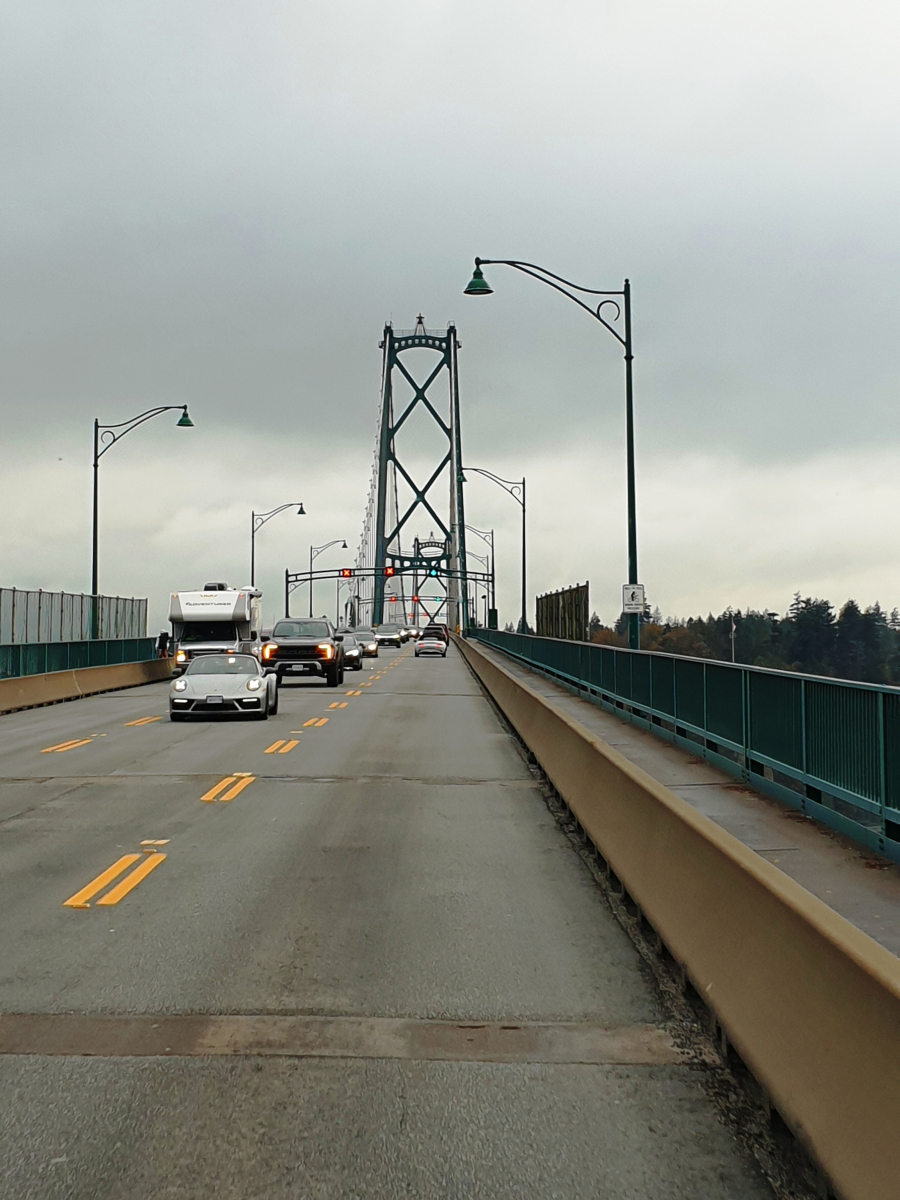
415,599
388,570
346,573
432,571
393,599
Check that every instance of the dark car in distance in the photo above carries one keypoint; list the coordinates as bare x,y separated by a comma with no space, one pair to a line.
366,638
304,646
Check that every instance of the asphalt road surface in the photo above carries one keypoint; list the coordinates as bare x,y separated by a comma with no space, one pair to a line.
346,952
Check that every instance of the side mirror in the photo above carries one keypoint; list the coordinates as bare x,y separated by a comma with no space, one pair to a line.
265,638
338,637
253,635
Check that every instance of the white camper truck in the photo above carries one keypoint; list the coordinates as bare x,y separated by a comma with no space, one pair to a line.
217,619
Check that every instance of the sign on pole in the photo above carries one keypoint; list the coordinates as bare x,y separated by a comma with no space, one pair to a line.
633,598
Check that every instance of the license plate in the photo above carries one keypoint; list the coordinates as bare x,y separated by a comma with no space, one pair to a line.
215,699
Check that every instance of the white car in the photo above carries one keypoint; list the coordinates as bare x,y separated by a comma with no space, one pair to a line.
431,643
223,683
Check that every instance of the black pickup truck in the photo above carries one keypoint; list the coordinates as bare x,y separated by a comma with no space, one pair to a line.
304,646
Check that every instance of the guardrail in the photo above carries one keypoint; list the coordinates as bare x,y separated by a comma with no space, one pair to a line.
828,747
37,616
41,658
809,1002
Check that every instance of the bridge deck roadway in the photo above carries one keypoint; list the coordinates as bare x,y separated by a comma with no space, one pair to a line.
290,1003
863,887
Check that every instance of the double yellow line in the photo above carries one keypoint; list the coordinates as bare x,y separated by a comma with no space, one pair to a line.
70,745
234,783
150,859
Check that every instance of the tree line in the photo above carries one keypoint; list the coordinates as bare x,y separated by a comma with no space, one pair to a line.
853,643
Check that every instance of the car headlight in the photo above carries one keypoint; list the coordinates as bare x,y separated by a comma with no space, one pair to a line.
180,685
181,656
253,685
372,646
269,649
327,649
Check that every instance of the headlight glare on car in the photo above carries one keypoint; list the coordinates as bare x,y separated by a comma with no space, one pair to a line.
181,656
269,649
327,649
253,685
180,685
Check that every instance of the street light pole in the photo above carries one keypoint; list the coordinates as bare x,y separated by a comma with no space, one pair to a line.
516,489
478,286
314,552
105,437
257,520
487,535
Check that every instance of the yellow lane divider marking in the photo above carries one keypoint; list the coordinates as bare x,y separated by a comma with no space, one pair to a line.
121,890
63,746
354,693
148,861
282,747
235,784
338,704
311,721
323,721
143,721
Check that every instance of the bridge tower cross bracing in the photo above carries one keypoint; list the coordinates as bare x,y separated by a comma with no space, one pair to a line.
392,538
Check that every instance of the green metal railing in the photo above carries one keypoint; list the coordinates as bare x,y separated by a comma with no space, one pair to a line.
38,658
828,747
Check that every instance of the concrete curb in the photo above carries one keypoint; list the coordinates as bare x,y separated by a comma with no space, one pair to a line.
31,691
811,1003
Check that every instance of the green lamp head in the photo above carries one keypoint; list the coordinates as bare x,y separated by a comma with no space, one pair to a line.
478,285
184,421
301,511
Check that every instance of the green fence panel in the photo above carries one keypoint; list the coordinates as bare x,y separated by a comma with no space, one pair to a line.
662,675
641,690
725,703
891,750
34,659
623,674
842,737
608,671
776,725
689,692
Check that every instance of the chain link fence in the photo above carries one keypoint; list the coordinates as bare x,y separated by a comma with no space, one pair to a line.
28,617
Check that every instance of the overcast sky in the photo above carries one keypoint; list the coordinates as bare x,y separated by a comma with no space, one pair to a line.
221,203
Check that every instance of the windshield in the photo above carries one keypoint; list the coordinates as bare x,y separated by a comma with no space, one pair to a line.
208,631
389,628
364,635
310,629
224,664
349,639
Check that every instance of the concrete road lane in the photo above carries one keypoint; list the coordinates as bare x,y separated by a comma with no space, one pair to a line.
395,861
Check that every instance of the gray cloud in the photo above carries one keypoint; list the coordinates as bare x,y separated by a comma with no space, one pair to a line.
221,204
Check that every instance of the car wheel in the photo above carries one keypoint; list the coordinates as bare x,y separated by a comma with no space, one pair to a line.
273,707
341,676
417,654
332,679
358,667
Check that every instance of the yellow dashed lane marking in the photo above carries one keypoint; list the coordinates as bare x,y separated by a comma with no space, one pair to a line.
143,721
220,787
66,746
312,721
147,862
238,788
121,890
282,747
323,721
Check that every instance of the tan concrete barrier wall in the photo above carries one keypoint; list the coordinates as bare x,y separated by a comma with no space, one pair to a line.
811,1003
32,690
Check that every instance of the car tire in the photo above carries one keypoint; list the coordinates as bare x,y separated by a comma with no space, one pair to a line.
273,707
332,679
358,667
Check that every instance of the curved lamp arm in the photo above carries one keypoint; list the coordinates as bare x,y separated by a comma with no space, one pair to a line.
478,286
108,435
259,519
315,551
516,488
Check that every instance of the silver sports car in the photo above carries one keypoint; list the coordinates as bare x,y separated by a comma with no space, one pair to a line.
223,683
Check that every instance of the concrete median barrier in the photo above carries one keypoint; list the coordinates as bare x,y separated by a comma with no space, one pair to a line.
30,691
810,1003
